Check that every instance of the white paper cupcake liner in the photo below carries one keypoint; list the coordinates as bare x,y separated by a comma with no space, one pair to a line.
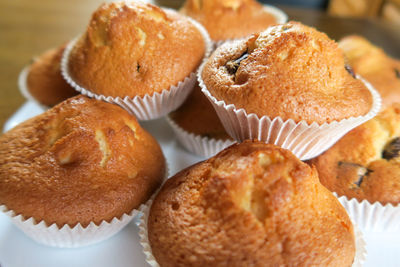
77,236
279,15
306,141
23,87
361,247
68,237
144,238
147,107
372,217
359,257
201,146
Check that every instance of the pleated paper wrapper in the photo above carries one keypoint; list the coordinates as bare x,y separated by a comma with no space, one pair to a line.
359,258
77,236
304,140
148,107
372,217
196,144
68,237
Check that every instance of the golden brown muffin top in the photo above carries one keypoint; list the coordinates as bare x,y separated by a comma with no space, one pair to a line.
253,204
133,49
365,163
44,80
290,70
375,66
229,19
82,161
198,116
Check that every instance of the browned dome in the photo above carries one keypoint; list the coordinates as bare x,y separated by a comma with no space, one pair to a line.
365,163
44,80
253,204
82,161
229,19
133,49
291,71
371,62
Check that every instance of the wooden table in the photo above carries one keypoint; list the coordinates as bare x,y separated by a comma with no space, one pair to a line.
27,28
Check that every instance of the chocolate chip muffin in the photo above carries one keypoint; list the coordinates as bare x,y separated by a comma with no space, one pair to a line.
227,19
82,161
248,206
198,116
44,81
135,49
371,62
289,71
365,163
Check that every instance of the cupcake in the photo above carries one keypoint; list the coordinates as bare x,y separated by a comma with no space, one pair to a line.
198,127
375,66
42,81
138,56
227,19
289,86
75,174
248,206
365,166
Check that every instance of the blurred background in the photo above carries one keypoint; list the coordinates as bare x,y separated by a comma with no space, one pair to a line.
28,28
386,9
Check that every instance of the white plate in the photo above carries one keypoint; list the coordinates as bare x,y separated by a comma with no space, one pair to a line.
17,250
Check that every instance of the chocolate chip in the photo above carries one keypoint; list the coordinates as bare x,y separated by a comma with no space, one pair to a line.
360,170
175,205
361,177
233,65
350,70
138,67
397,73
392,149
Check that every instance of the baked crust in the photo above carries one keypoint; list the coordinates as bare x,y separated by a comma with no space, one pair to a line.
197,116
44,80
375,66
252,204
365,163
291,71
134,49
82,161
229,19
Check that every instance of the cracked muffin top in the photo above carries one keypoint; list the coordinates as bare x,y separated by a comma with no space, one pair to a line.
133,49
365,163
290,70
198,116
44,80
248,206
374,65
229,19
82,161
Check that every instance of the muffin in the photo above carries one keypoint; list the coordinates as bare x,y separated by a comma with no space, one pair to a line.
43,81
229,19
136,50
83,162
288,74
198,116
365,163
248,206
198,127
375,66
